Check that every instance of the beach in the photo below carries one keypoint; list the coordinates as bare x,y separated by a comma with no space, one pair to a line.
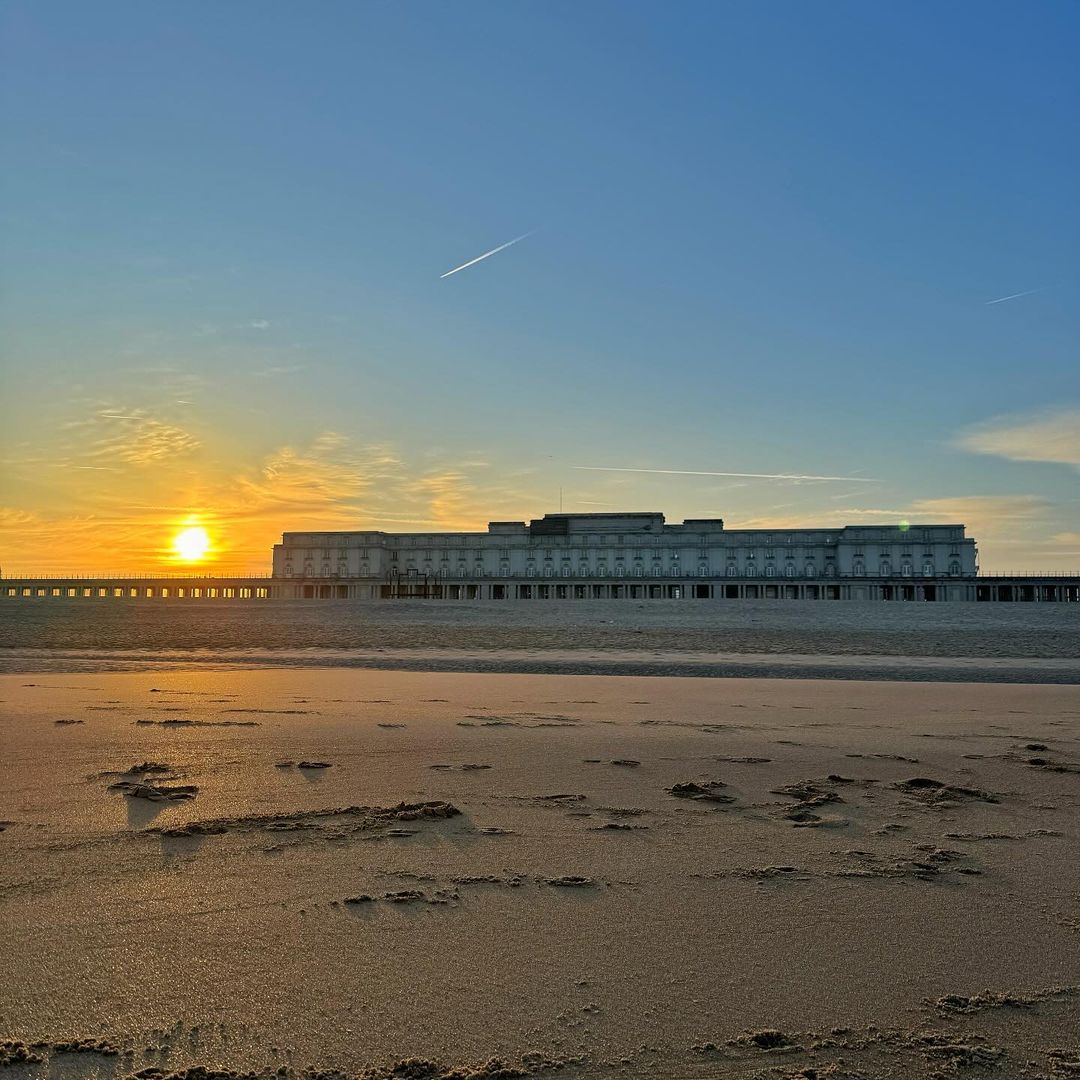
1012,643
297,868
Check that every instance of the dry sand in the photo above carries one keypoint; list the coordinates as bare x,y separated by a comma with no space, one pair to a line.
611,876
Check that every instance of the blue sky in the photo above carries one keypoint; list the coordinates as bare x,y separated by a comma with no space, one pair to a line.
766,239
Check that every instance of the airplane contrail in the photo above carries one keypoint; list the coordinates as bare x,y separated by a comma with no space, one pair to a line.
1015,296
748,475
487,254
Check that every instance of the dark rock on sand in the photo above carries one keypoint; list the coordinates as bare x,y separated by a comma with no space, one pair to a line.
808,792
959,1055
135,789
422,1069
768,1039
84,1046
354,818
989,999
572,881
65,722
314,765
706,792
1054,766
931,791
13,1052
409,896
198,723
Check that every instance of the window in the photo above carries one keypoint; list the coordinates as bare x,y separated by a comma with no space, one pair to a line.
928,569
954,569
886,568
859,568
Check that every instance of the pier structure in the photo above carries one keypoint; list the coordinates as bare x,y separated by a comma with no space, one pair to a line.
138,587
625,556
999,588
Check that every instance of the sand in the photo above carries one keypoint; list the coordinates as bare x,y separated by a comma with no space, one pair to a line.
263,870
1014,642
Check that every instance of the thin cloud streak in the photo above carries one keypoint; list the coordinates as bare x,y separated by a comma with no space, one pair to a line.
487,254
1015,295
743,475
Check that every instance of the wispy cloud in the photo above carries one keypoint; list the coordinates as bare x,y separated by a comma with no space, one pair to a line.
742,475
487,254
279,369
1052,437
1015,295
990,516
135,438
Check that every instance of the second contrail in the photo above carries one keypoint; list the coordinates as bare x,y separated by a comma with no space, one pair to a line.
1015,296
487,254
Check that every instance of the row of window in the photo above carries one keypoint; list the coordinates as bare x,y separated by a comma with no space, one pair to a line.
810,570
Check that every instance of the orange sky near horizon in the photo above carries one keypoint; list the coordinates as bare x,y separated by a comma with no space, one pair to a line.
114,492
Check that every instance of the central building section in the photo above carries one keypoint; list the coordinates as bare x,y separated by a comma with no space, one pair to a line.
611,555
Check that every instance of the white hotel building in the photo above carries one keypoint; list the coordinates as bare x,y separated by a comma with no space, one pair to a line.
631,556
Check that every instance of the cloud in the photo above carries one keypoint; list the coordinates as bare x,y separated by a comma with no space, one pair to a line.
984,515
279,369
134,438
698,472
450,493
1052,437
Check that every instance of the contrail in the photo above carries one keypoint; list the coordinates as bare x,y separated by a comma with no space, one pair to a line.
747,475
487,254
1015,296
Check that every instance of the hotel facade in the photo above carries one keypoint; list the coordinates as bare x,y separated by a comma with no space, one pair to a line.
632,556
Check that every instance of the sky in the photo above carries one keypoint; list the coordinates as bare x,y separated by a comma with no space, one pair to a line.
771,239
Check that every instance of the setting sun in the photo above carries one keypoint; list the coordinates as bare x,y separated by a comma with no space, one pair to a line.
192,544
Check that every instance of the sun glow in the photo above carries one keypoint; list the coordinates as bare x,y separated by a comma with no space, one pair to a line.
192,544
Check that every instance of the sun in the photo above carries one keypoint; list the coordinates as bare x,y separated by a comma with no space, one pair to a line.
192,544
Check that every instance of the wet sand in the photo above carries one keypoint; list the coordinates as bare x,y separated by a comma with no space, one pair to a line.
1011,643
346,869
